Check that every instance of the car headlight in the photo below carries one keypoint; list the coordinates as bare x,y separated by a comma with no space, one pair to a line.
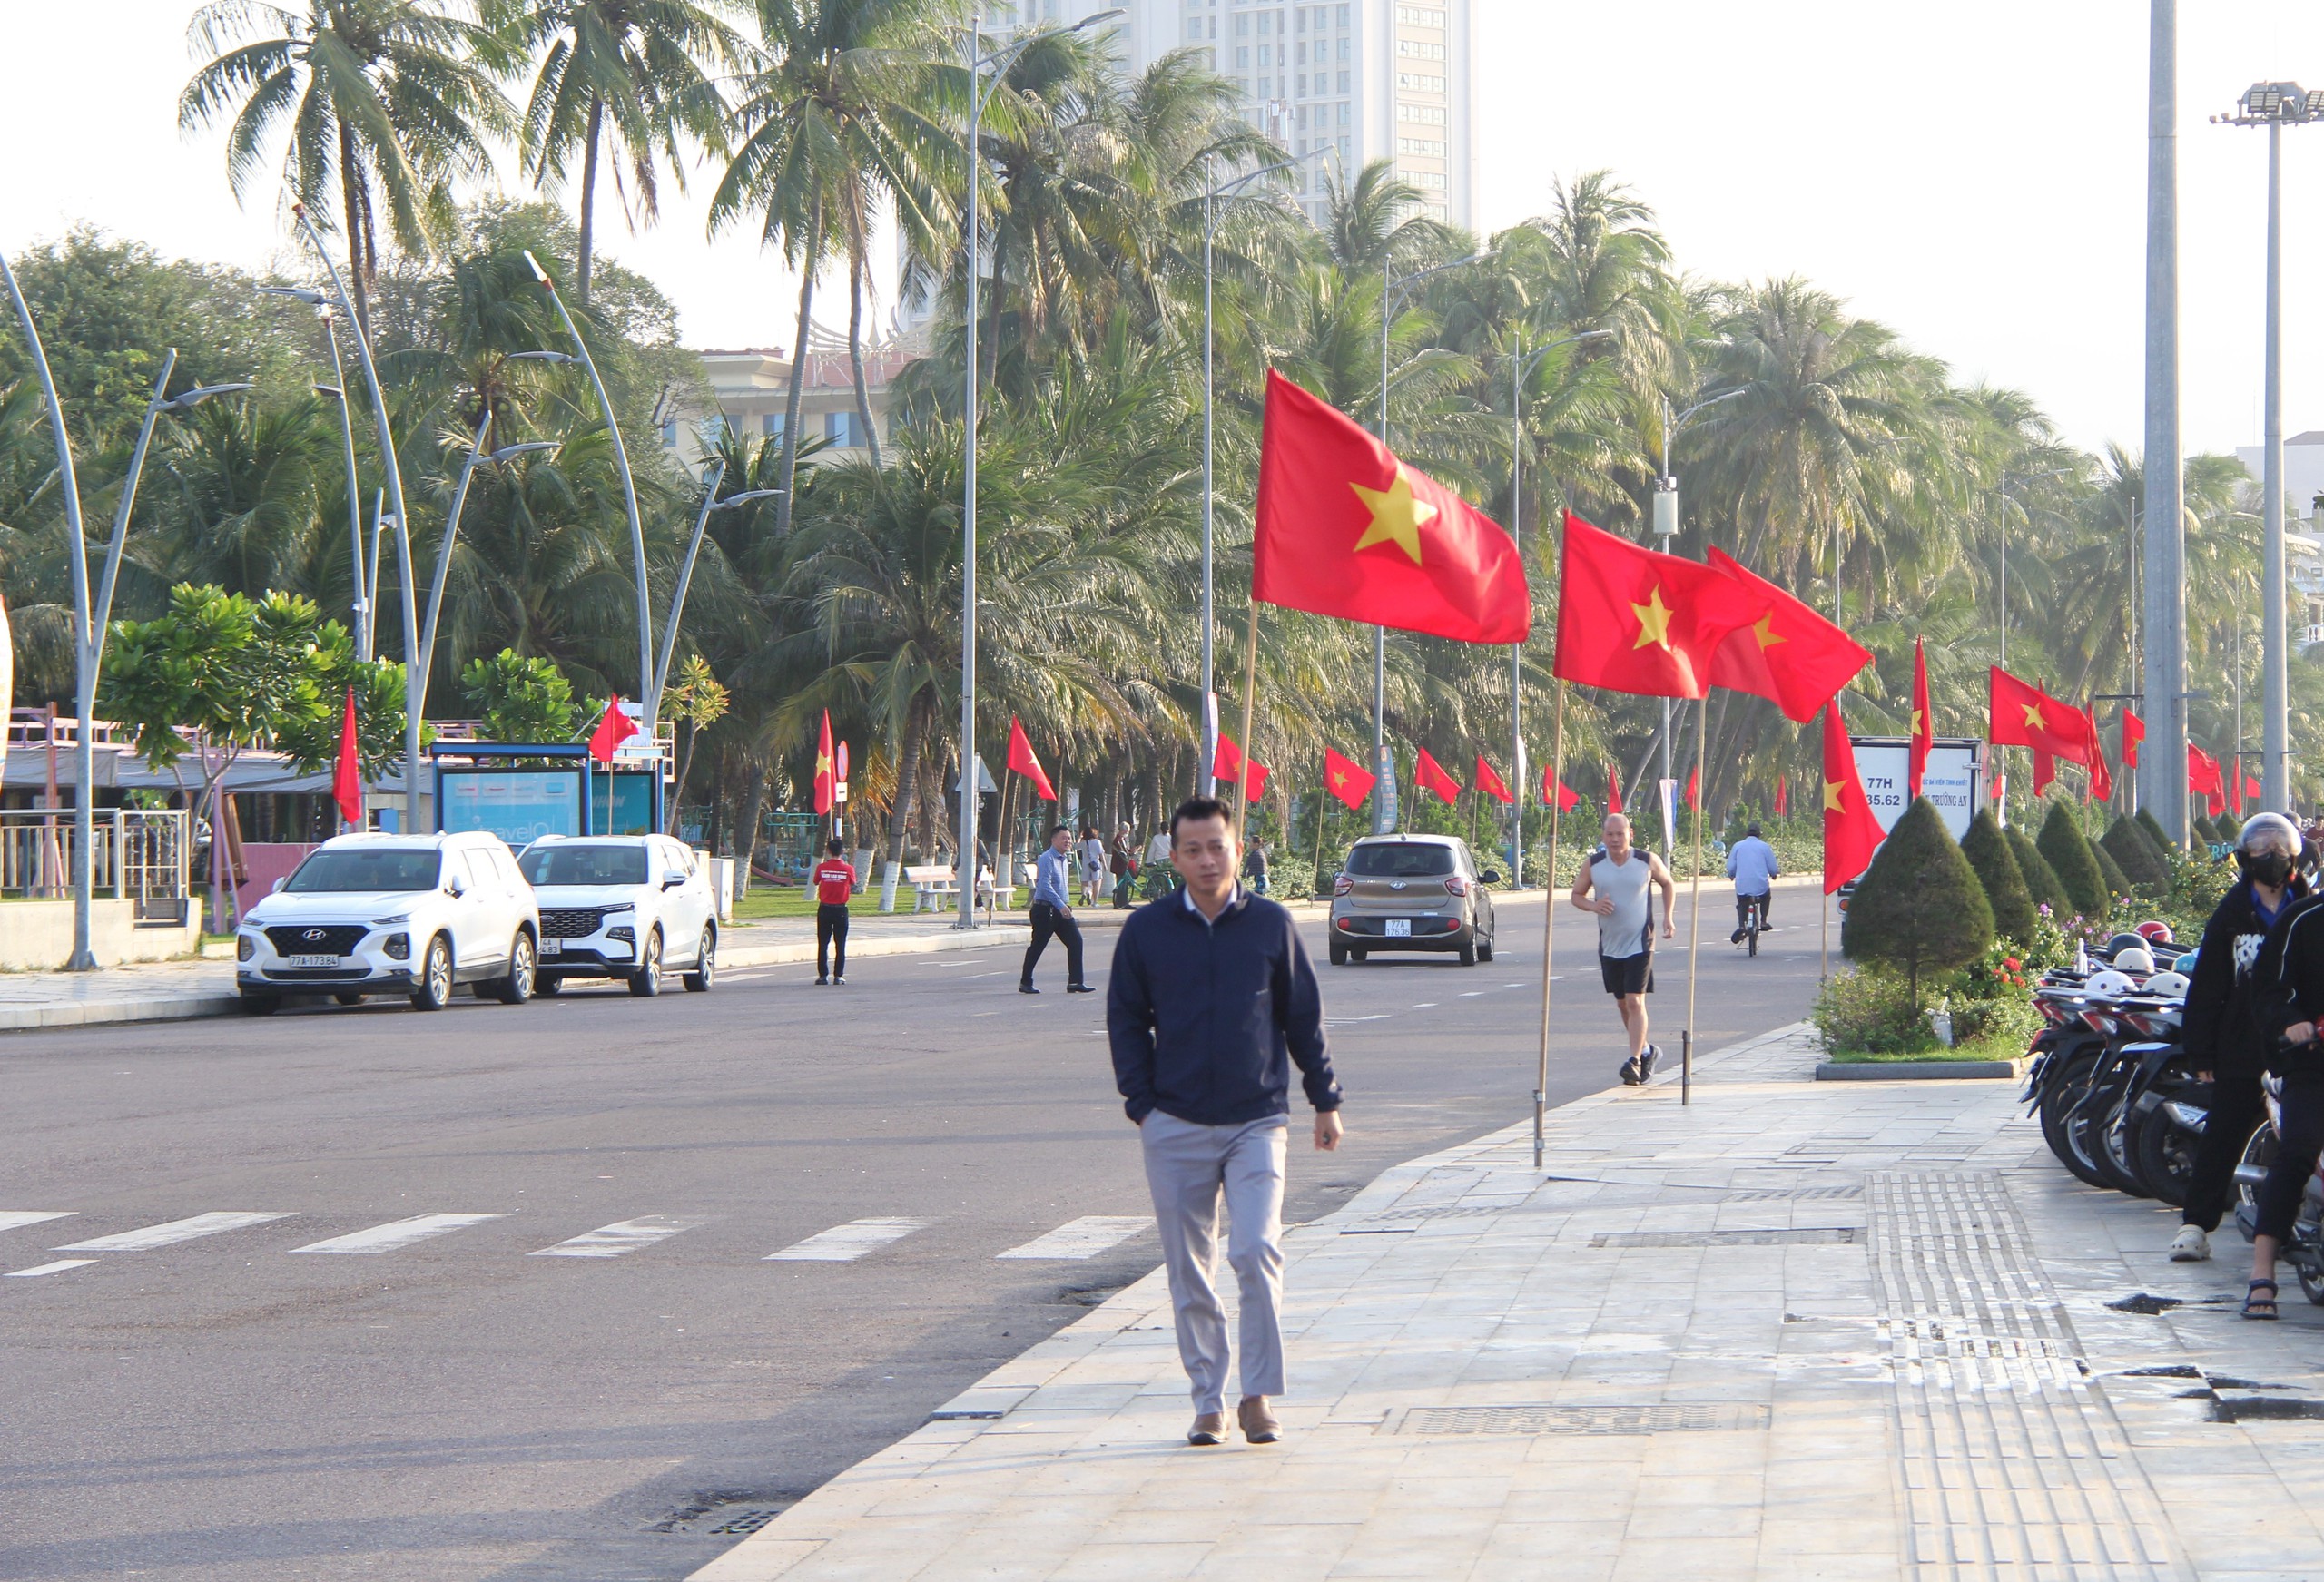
398,947
245,947
628,912
396,921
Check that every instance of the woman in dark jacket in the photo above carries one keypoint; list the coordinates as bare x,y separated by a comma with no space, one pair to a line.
2230,1028
2290,973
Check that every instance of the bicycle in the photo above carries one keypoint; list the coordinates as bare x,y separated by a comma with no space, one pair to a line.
1750,921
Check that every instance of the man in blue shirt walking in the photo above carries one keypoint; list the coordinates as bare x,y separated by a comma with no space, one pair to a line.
1212,1001
1752,866
1053,914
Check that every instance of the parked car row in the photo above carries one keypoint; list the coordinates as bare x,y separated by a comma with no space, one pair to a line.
420,915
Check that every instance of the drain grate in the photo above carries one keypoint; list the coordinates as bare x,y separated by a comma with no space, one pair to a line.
1801,1195
745,1521
1828,1235
1693,1418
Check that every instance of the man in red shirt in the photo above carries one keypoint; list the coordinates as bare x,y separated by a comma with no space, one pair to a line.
834,883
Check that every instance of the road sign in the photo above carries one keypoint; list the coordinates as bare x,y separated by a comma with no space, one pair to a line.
842,765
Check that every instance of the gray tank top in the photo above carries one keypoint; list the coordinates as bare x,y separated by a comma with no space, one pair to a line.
1629,884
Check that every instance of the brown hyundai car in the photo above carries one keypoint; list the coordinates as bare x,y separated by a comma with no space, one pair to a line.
1412,892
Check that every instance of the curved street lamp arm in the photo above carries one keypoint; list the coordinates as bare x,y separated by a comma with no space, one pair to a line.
444,555
102,615
713,474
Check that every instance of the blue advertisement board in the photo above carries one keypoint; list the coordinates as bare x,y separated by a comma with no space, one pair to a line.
519,805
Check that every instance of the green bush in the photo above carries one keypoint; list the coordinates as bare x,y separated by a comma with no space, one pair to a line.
1987,850
2153,829
2118,883
2230,828
2137,856
2205,832
2041,879
2063,847
1919,908
1871,1011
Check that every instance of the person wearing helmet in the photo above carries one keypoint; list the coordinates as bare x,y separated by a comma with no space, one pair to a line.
2230,1030
1753,867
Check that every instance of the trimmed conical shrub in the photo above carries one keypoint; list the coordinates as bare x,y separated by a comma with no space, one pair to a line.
2154,830
2067,851
1919,908
2230,828
2041,879
2204,831
2136,856
1996,869
2118,883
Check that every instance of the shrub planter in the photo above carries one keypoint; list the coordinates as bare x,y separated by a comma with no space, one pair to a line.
1917,1070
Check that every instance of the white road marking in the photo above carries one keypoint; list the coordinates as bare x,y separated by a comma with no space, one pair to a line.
1083,1238
14,1218
175,1231
1426,1004
845,1244
1344,1021
1474,993
622,1236
59,1267
387,1238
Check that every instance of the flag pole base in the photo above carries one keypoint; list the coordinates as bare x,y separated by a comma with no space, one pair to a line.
1541,1110
1686,1066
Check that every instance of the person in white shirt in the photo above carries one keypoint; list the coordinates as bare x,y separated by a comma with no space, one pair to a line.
1093,865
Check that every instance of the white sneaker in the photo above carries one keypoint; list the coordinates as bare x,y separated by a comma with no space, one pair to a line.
2190,1245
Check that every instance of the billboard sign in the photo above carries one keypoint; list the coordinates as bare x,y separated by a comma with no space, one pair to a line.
1954,779
519,805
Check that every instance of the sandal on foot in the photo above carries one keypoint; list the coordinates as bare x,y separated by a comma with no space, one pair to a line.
2256,1306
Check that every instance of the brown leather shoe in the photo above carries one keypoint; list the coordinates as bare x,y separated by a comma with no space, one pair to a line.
1210,1428
1259,1426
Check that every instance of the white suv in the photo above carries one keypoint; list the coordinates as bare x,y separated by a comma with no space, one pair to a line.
393,914
623,906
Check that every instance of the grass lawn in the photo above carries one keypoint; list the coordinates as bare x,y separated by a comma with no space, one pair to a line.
767,900
1997,1049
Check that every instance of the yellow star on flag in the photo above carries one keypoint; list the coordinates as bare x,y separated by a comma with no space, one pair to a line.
1916,722
1767,634
2034,717
1397,516
1339,778
1832,790
822,765
1653,621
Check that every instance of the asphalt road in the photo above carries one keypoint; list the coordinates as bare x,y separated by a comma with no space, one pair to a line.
454,1408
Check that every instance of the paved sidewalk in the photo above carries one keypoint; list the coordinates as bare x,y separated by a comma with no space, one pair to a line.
1795,1331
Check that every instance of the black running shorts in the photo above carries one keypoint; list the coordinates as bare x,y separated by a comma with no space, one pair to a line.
1627,974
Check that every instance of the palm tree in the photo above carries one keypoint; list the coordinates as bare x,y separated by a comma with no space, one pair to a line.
834,116
383,100
627,77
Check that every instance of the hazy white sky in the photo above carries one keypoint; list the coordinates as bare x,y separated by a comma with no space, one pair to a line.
1973,172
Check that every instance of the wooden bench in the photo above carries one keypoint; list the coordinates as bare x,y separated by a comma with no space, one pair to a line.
935,887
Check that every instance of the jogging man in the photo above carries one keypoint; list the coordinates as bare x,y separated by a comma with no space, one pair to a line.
1053,913
834,884
1613,888
1752,866
1212,1001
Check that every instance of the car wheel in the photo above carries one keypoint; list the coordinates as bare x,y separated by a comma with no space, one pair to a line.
548,986
1485,951
261,1004
518,987
646,981
1469,951
705,967
1339,954
348,999
435,989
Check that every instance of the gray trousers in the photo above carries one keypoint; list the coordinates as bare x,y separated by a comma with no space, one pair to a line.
1188,1168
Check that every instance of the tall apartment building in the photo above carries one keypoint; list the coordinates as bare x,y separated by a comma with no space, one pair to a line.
1367,79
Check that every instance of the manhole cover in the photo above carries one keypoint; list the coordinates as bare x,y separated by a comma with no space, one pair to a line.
1699,1416
1829,1236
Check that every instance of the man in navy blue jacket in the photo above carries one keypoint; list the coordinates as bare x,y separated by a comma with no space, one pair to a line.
1211,1001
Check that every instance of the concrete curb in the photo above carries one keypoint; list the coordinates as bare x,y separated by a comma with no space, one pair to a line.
169,1007
1917,1071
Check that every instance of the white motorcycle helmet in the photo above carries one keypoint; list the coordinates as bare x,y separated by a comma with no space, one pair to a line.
2169,985
2108,982
2134,960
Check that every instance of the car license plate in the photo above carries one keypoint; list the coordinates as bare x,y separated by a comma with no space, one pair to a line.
552,946
314,962
1399,928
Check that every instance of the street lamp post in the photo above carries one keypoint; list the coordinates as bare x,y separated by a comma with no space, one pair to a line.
710,502
1520,367
2273,105
1393,288
1665,528
476,454
2162,767
981,91
1211,195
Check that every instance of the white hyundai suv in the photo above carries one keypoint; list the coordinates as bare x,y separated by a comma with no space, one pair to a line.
393,914
623,907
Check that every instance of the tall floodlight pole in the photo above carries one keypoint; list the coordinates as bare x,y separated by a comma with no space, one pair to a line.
2273,105
1522,364
2162,769
981,87
1393,289
1665,528
411,666
1208,753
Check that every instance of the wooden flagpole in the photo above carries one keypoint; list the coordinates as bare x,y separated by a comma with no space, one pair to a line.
1549,925
1250,689
1695,918
1322,811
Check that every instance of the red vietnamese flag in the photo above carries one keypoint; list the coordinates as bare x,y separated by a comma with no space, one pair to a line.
347,774
826,771
2203,777
1613,791
1632,619
1783,795
1694,782
613,729
2235,789
1022,761
1429,775
2251,789
2021,714
1923,724
1346,529
2133,732
1228,767
1786,652
1346,778
1490,783
2102,779
1551,786
1851,832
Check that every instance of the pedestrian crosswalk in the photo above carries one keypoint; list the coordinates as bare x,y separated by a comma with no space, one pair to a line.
1077,1239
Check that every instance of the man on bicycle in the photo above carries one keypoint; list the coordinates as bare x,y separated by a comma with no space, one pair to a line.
1752,866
